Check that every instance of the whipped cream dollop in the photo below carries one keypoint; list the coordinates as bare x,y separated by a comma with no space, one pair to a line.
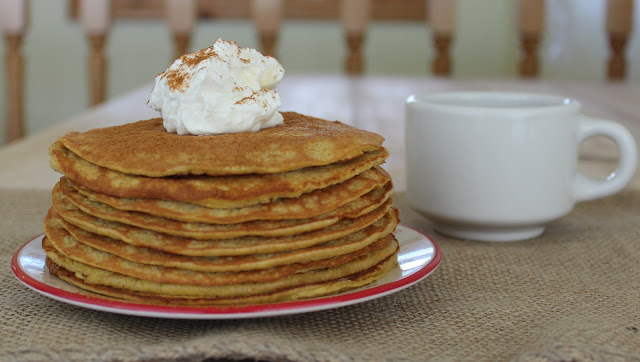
219,89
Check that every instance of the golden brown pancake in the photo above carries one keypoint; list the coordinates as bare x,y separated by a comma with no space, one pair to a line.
300,142
289,294
343,245
244,245
67,245
305,206
289,212
356,208
93,275
216,192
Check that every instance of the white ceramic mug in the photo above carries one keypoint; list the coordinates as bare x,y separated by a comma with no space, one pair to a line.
499,166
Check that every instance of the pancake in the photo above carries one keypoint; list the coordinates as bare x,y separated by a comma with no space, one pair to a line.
67,245
289,294
305,206
302,141
93,275
245,245
343,245
216,192
359,207
290,212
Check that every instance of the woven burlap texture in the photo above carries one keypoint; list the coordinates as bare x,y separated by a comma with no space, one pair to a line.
573,293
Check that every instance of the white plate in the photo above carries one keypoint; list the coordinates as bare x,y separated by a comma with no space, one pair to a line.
418,257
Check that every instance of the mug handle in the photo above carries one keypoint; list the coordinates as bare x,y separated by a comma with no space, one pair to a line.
588,189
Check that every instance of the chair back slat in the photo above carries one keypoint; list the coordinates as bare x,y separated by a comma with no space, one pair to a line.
13,20
442,17
181,16
267,17
95,17
355,16
530,27
619,25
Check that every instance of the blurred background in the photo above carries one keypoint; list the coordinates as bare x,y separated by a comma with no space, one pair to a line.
573,46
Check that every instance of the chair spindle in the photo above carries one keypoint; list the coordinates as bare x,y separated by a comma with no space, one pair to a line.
355,16
181,16
267,16
95,16
531,19
13,19
441,15
619,25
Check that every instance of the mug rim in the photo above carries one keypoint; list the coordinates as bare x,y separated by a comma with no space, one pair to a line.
455,100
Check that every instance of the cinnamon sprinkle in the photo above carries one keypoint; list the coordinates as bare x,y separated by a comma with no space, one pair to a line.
178,79
245,99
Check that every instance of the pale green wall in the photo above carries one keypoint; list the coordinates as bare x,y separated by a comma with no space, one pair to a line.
55,48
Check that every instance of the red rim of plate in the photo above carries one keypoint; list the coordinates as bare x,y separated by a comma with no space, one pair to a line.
231,310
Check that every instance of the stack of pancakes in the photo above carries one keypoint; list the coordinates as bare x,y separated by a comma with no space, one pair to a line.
290,212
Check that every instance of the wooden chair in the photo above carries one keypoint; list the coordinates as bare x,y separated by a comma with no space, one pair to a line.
268,15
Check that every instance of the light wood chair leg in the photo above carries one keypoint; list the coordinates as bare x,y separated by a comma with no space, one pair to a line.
530,25
442,18
267,17
528,66
441,63
354,64
14,63
617,63
97,68
95,16
181,44
355,16
268,42
181,16
619,25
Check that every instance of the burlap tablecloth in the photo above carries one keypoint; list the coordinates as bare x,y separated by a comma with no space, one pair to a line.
573,293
